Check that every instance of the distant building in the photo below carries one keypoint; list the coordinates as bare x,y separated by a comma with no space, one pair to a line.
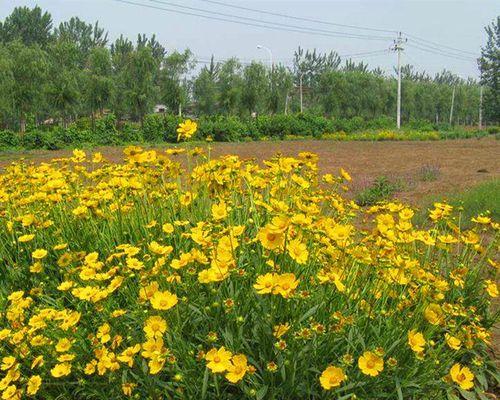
160,109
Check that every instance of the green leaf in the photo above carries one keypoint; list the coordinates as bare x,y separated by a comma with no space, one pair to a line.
205,384
310,312
451,396
467,395
398,389
261,392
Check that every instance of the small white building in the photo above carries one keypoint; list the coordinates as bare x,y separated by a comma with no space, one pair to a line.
160,109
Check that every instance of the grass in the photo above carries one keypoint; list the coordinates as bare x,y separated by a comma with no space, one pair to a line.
478,199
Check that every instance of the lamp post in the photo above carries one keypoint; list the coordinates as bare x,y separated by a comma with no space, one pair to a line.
260,47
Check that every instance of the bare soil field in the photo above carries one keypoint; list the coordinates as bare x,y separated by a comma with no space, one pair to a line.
456,164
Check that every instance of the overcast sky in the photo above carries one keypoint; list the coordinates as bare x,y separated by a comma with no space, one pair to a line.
457,24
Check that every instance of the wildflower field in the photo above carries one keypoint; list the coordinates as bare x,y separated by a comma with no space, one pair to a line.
230,279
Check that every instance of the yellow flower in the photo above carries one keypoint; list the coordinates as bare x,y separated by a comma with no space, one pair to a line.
332,377
33,384
63,345
416,341
7,363
298,251
265,283
345,174
370,364
103,333
25,238
39,254
238,368
285,284
462,376
155,327
480,219
10,392
163,300
186,129
219,211
219,360
453,342
61,370
167,228
434,314
271,239
127,388
280,330
491,288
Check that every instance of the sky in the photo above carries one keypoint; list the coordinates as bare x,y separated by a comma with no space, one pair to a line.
447,24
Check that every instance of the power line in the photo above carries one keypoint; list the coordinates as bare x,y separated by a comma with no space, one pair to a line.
208,60
426,42
211,12
298,18
441,53
261,24
417,39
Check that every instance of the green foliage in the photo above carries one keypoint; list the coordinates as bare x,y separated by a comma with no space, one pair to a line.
489,65
8,139
480,199
381,189
224,129
29,26
160,128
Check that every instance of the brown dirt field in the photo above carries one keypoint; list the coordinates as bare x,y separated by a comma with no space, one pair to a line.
461,163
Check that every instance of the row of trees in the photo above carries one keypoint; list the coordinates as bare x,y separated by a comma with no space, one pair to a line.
61,73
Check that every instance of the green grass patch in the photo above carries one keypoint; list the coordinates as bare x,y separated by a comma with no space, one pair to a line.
482,198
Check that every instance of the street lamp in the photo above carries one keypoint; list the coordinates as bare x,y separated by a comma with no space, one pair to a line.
260,47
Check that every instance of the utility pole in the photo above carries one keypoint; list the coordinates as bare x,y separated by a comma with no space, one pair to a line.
301,101
452,104
398,47
481,107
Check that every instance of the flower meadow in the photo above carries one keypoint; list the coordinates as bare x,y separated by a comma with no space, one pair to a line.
176,276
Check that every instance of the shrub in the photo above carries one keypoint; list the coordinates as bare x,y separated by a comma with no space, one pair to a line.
381,189
223,129
8,139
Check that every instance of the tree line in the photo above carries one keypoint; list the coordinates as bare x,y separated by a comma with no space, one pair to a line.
54,75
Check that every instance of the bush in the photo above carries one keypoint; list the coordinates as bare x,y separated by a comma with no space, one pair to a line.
223,129
160,128
105,131
8,139
381,189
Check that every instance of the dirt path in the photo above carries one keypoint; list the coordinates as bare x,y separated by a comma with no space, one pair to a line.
458,164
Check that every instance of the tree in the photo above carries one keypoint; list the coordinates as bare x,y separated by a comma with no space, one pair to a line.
255,88
173,85
230,87
7,84
29,69
121,54
64,78
29,26
99,81
139,77
489,65
205,89
85,36
281,85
